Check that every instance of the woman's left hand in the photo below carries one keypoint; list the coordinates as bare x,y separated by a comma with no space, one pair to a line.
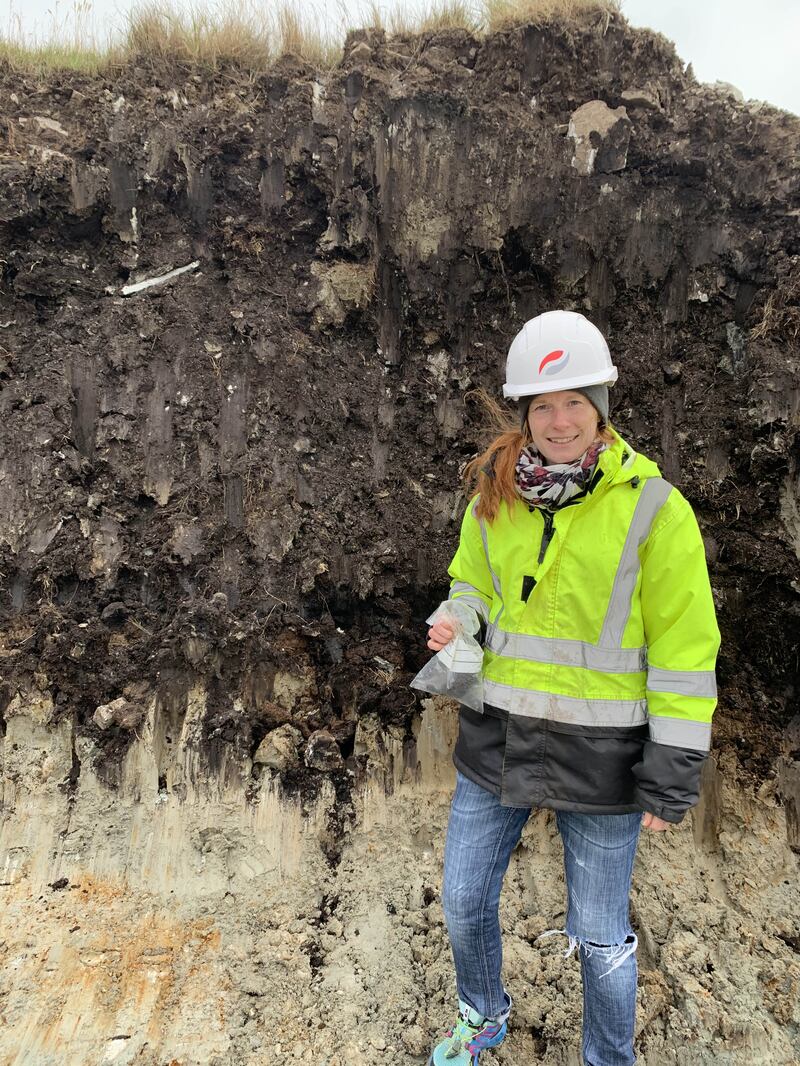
658,825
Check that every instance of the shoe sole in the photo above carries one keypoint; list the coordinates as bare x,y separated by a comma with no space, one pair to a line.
474,1061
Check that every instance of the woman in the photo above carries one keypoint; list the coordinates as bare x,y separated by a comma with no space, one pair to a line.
588,571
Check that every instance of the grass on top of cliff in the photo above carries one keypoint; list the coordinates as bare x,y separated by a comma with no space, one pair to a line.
252,36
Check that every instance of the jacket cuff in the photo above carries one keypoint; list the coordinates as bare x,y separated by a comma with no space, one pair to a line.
668,780
651,805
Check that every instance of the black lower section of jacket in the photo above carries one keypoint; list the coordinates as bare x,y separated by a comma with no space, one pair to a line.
534,762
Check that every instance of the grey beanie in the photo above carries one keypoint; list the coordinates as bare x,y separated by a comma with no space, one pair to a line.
597,395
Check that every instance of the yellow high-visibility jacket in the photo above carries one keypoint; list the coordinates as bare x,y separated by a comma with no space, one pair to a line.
600,648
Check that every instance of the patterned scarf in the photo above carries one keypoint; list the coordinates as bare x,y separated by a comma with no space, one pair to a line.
552,486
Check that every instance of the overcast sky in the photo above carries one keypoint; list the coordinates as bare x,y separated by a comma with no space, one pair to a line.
753,45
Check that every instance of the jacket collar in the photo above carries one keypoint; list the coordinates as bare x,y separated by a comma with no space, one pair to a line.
621,463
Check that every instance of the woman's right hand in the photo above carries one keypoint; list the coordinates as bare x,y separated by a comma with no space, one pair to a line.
439,634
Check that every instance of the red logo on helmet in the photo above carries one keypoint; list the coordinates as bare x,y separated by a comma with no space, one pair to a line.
554,361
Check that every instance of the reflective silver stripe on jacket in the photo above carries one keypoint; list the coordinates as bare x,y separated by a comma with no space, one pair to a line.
680,732
551,650
528,703
466,593
683,682
653,496
495,579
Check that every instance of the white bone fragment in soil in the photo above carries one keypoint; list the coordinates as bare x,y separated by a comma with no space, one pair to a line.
129,290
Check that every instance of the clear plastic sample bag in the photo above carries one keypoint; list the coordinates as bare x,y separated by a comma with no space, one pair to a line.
455,671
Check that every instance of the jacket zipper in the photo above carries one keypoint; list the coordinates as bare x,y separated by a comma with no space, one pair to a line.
547,534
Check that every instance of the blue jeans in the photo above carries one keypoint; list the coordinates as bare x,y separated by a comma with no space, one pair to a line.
598,861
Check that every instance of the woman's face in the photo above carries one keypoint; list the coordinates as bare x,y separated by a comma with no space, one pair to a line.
563,425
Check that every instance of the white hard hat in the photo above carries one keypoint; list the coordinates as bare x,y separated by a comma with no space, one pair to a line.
556,351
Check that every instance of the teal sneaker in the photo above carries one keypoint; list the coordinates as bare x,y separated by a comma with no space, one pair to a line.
471,1035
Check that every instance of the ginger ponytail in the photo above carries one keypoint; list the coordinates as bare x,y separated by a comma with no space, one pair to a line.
491,473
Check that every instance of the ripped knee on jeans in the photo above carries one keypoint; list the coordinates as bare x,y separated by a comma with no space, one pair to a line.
612,954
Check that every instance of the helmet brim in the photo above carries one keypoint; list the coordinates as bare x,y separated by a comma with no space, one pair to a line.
538,388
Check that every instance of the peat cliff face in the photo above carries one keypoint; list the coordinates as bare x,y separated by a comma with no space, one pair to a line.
247,476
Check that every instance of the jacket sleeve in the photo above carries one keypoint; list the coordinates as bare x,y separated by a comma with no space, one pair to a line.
471,578
682,642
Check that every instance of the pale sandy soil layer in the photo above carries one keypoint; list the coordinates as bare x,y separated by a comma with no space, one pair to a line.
140,927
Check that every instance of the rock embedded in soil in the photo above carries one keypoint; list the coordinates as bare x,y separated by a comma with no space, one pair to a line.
673,373
114,612
120,712
645,98
360,53
601,137
280,749
46,128
322,752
